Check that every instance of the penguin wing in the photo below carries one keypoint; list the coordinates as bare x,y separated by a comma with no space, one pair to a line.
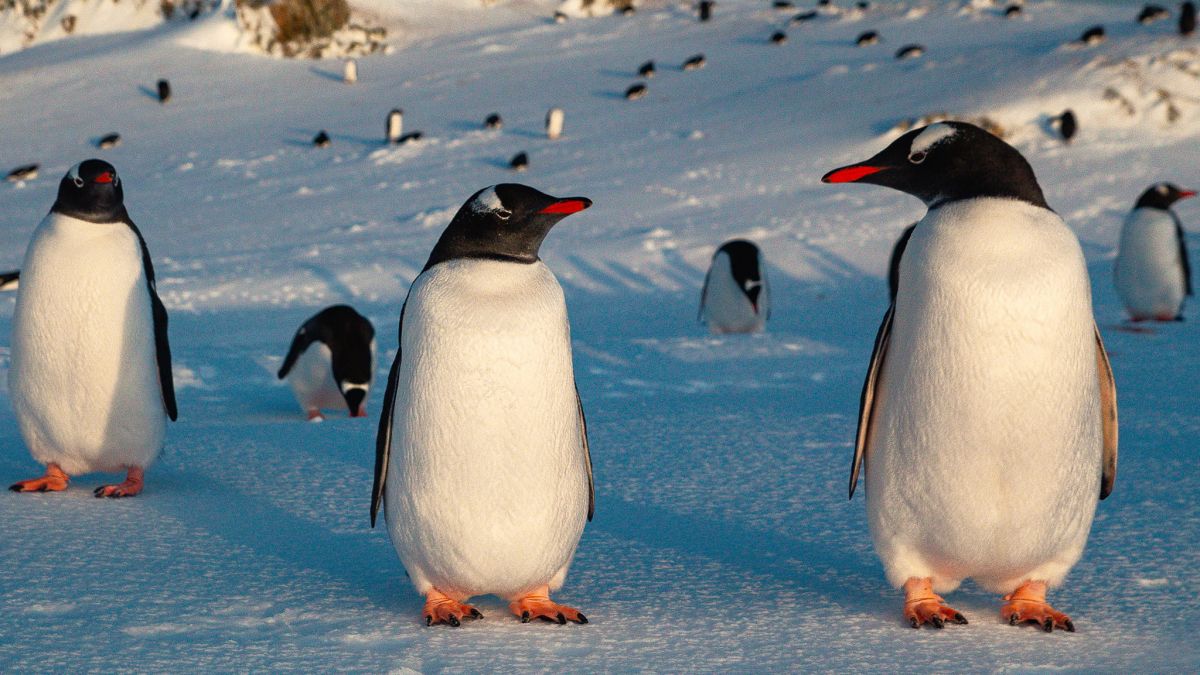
383,438
162,346
7,278
587,454
1183,256
867,400
304,337
1108,416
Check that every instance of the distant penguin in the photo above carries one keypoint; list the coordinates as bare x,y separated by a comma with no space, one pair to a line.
1187,18
350,71
1152,271
164,91
988,418
410,137
803,17
321,140
695,63
778,38
482,463
627,10
331,362
1068,126
894,261
867,38
554,123
9,281
519,162
559,17
783,4
863,4
90,379
706,8
493,121
23,172
735,297
910,52
1152,13
1092,36
646,70
1012,11
635,91
109,141
395,126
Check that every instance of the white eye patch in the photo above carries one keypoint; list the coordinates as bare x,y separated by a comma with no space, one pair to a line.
931,136
489,202
73,174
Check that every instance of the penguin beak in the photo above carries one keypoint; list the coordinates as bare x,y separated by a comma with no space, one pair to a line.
565,207
106,177
1184,194
851,174
355,399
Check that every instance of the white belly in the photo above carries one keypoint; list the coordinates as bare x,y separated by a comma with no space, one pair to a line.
1149,272
986,452
487,485
311,379
726,308
84,379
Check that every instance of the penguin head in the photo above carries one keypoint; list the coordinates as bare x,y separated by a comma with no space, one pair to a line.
91,191
743,264
1162,196
503,222
945,162
351,340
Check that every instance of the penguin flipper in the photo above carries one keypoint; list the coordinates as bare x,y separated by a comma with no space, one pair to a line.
304,337
7,278
162,346
1108,416
587,454
867,400
1183,256
383,439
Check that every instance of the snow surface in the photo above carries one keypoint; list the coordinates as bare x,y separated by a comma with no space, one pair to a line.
723,539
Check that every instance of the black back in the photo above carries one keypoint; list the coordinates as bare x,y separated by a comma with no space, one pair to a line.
970,163
348,335
894,261
1067,125
164,91
1187,18
91,191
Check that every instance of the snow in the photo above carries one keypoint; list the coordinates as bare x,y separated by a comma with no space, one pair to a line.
722,538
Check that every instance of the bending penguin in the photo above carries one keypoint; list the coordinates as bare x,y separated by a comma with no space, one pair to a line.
331,362
482,463
735,298
90,380
1152,272
988,424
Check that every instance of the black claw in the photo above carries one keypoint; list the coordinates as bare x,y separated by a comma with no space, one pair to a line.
1048,625
547,619
525,616
937,622
583,619
561,619
428,619
1070,626
98,492
15,487
912,620
453,621
476,613
960,619
1012,620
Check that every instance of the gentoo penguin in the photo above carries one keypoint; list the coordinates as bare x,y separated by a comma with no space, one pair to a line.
894,261
778,38
493,121
635,91
1092,36
1152,273
321,140
695,63
554,123
482,463
350,71
395,126
90,379
331,362
1152,13
735,298
1012,11
23,172
706,8
1068,125
10,281
164,91
988,419
646,70
910,52
519,162
1187,18
109,141
867,38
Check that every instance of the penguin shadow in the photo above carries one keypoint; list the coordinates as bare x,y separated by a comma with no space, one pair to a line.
148,92
365,141
468,125
526,133
497,163
332,75
623,74
338,289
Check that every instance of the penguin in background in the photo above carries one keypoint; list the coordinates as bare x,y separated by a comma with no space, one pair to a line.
482,462
894,261
735,297
1152,272
331,362
10,281
988,420
90,379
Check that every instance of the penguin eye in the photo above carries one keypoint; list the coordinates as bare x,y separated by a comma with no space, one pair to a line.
917,157
77,181
503,213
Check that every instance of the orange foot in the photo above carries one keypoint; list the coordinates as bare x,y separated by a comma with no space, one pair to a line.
441,608
315,416
537,605
131,486
922,605
361,412
53,481
1028,604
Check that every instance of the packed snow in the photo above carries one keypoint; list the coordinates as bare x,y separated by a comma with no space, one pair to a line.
722,538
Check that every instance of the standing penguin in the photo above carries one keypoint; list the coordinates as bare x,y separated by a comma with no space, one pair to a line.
90,380
989,416
331,362
482,462
735,298
1152,273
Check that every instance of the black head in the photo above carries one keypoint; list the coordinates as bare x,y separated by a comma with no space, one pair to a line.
91,191
743,263
349,336
946,162
1162,196
503,222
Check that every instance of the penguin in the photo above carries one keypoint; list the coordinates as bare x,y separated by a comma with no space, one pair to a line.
894,261
493,121
1152,13
783,4
735,297
988,419
331,362
867,38
1068,125
321,140
482,462
1092,36
1187,18
164,91
1152,272
519,162
560,17
90,379
350,71
409,137
1012,11
910,52
23,172
627,10
635,91
695,63
646,70
554,123
10,281
395,126
803,17
109,141
778,38
705,9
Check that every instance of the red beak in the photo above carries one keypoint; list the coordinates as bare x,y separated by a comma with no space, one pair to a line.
567,206
850,174
106,177
1184,194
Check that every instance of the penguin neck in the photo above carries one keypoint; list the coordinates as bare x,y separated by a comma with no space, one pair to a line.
455,244
103,216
